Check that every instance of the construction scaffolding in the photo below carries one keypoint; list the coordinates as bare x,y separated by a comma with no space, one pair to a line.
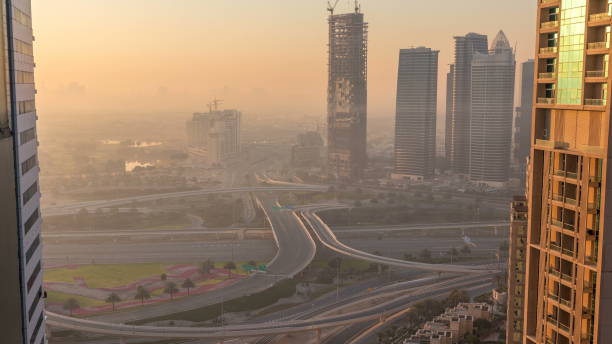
347,94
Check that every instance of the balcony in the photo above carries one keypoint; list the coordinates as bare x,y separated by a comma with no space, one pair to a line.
595,179
552,75
547,101
548,50
545,143
564,199
560,224
592,149
550,24
557,323
596,74
548,1
566,174
598,45
560,300
593,206
595,102
591,260
599,17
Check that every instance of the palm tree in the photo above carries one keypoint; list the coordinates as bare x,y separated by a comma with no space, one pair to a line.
207,266
142,294
229,266
188,284
113,299
171,289
71,305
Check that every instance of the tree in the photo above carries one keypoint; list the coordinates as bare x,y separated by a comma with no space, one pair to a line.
171,289
142,294
113,299
163,277
466,250
358,204
229,266
453,252
425,254
207,266
188,284
71,305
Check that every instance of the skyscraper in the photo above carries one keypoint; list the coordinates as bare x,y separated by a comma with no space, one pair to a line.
516,270
415,118
448,138
569,279
465,48
522,123
347,95
22,316
491,113
215,134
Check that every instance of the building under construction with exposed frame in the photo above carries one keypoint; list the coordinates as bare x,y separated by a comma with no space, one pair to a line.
347,94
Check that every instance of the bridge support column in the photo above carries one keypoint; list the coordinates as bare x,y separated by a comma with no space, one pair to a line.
318,331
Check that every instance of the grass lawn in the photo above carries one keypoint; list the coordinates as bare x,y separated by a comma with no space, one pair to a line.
106,276
56,297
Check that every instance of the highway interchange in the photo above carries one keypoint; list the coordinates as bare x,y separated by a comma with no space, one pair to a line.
296,249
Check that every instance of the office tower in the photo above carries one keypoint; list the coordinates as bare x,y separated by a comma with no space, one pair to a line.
465,49
22,315
415,117
522,123
569,277
492,110
215,134
347,95
449,114
516,270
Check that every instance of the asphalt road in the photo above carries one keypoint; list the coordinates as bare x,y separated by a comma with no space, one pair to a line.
296,251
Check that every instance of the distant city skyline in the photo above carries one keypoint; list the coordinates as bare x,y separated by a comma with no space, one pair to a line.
248,63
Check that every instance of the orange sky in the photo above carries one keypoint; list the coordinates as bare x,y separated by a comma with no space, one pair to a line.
264,56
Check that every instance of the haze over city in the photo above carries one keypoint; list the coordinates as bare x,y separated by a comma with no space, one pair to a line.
269,56
305,172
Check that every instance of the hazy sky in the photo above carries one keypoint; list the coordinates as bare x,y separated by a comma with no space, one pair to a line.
261,56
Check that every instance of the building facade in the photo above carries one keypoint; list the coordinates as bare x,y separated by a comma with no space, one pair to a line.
415,117
491,113
569,257
459,136
215,135
522,122
516,270
347,95
22,317
448,125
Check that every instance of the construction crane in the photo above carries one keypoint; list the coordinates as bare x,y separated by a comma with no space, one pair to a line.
331,7
214,105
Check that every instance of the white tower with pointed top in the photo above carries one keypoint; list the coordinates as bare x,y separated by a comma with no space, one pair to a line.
492,107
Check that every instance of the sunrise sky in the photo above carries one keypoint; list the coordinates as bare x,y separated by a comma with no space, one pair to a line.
261,56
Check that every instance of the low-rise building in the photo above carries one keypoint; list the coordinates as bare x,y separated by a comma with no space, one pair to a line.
451,326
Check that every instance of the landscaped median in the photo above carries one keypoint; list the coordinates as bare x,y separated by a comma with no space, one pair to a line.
84,290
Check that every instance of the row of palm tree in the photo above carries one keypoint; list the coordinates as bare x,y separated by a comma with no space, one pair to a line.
171,288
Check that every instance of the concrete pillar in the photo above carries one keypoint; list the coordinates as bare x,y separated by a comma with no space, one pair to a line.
318,336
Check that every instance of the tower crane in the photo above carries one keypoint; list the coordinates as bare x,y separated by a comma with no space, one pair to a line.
331,7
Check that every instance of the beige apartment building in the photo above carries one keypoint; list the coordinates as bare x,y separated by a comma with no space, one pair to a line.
568,280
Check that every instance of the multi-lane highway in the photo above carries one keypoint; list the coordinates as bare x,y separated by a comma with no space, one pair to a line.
296,249
398,302
93,205
328,238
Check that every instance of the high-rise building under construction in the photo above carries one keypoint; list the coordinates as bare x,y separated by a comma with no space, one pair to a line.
568,286
347,94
